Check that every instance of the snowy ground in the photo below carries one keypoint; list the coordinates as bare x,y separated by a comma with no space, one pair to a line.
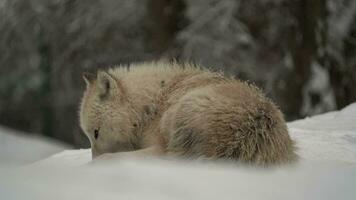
327,170
17,148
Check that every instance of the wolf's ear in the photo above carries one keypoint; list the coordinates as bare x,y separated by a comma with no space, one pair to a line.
89,78
107,84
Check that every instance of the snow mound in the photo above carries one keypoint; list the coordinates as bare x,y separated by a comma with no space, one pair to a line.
326,170
329,137
17,148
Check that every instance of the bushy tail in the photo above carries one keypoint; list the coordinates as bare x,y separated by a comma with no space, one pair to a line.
252,134
261,137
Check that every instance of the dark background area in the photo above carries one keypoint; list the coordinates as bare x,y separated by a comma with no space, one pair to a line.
302,53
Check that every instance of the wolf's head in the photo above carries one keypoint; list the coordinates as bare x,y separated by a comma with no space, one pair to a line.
107,116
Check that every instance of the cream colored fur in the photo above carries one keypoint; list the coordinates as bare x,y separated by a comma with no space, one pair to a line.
182,110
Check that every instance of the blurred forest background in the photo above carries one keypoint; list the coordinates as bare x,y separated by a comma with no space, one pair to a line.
301,52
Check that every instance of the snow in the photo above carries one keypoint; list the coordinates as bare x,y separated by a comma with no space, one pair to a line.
327,170
17,148
327,137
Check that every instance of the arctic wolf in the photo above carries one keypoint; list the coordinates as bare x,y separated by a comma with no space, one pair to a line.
182,110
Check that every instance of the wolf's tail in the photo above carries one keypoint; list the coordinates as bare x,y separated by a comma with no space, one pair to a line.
250,130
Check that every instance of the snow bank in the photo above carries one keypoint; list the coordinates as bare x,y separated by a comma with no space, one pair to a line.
327,170
328,137
17,148
166,180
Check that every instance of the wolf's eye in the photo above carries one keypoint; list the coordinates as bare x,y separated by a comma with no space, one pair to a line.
96,133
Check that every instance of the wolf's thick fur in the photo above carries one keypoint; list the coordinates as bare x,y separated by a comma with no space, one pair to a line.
182,110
